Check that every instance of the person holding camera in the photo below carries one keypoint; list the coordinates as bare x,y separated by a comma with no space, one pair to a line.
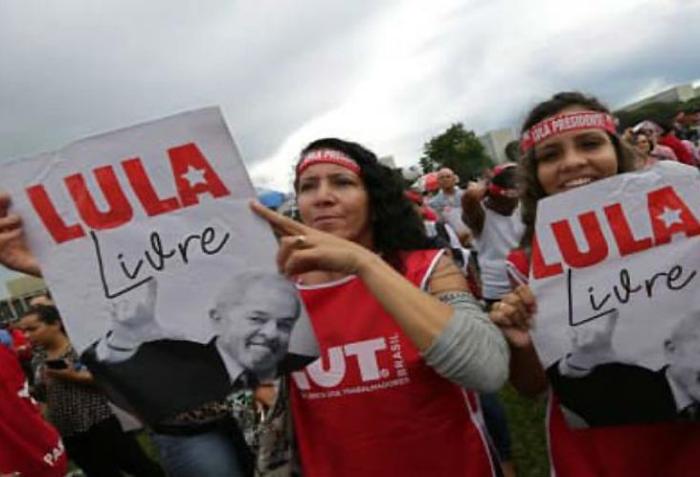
92,435
490,209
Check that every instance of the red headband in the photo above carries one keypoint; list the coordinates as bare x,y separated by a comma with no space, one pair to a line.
498,190
327,156
502,191
566,122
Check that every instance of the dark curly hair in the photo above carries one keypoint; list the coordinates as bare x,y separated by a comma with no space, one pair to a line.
395,224
531,189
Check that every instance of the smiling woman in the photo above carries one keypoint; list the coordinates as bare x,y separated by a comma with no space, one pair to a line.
571,158
574,158
563,148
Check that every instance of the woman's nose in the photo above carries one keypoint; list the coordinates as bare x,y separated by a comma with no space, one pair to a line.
573,158
324,192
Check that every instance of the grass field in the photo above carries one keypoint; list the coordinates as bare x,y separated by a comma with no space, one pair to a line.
526,419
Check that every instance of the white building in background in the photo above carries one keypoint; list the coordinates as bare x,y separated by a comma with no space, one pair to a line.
495,143
20,290
683,92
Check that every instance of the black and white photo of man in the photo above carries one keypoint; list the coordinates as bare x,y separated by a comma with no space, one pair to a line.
156,372
614,393
253,317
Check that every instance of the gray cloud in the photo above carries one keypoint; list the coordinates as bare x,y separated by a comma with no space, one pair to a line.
75,68
389,74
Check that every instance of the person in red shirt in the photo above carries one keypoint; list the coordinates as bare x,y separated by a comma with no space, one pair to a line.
30,446
406,342
553,162
668,138
389,315
20,344
23,348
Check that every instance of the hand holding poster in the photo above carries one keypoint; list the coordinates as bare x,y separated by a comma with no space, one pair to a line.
164,277
614,268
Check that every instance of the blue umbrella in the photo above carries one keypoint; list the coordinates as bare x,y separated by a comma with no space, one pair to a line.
271,198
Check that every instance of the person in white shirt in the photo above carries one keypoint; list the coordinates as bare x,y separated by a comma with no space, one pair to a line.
448,203
490,209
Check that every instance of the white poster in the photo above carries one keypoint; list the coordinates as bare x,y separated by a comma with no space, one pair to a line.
615,271
165,279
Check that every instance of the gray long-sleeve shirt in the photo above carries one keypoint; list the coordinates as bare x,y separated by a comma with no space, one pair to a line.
470,351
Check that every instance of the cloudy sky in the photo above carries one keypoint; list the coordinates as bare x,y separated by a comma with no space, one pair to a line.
389,74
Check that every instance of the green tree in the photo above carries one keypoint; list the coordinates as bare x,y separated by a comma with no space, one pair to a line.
458,149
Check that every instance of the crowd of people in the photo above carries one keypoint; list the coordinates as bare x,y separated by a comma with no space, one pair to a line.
422,311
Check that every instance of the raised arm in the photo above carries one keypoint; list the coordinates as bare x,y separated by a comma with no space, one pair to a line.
470,350
14,253
514,315
424,317
472,210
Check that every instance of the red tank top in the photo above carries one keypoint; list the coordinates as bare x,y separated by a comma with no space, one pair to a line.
659,450
370,406
28,444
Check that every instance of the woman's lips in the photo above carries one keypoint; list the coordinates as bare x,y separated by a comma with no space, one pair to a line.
324,219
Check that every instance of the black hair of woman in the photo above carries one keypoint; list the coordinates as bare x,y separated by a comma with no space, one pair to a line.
531,189
46,314
395,224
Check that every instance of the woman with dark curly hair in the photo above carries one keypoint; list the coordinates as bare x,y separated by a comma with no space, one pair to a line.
400,335
580,152
394,223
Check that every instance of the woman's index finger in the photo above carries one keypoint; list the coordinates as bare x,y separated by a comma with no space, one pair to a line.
4,202
284,225
526,295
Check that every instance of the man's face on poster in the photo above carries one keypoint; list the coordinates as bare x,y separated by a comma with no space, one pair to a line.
255,328
684,363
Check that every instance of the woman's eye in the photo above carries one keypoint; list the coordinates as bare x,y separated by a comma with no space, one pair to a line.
344,181
303,187
591,144
546,156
